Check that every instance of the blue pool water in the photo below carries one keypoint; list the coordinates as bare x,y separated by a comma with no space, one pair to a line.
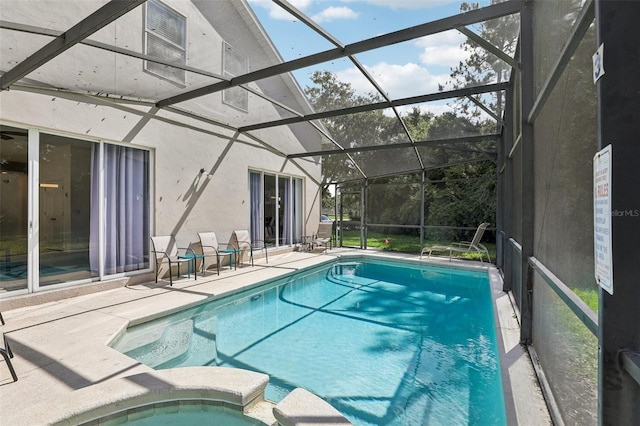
179,413
386,343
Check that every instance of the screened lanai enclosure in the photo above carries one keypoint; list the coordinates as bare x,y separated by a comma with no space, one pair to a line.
533,128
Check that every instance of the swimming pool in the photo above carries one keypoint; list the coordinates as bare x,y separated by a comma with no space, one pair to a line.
179,413
384,342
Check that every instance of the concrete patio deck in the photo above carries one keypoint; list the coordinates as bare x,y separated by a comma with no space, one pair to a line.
61,348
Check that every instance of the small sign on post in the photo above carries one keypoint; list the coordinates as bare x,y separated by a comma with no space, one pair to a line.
602,219
598,63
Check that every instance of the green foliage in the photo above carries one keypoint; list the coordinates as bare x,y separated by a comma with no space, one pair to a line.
395,200
351,130
588,296
461,189
482,66
418,123
328,200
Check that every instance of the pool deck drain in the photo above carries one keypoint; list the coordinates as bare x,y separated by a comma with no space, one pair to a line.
61,348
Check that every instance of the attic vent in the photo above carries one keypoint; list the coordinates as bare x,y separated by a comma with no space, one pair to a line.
234,63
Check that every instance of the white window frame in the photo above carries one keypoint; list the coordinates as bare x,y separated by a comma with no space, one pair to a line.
175,75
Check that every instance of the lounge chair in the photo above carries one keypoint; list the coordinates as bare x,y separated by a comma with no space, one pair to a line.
241,243
166,250
324,236
472,246
211,248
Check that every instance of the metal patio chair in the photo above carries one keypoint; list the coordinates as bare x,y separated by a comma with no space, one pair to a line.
7,354
241,242
324,236
472,246
211,248
165,249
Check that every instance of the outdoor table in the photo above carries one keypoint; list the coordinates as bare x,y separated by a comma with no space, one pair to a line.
234,256
194,257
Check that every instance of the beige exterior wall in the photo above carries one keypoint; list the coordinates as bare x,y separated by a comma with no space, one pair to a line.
184,200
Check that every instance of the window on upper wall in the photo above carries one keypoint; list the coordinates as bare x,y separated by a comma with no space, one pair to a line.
234,64
165,38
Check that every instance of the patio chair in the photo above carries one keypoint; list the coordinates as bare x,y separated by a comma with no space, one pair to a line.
7,354
324,236
241,243
211,248
166,250
472,246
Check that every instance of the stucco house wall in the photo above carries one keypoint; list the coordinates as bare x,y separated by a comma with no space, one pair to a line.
184,200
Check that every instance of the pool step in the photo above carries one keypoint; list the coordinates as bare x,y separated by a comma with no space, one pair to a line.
262,411
303,407
173,343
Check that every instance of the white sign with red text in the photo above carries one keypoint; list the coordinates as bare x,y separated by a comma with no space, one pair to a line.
602,219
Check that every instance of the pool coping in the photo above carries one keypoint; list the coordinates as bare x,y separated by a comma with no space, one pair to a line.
239,390
61,349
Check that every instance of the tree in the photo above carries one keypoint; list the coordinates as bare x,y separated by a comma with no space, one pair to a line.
349,131
397,199
482,66
463,194
328,200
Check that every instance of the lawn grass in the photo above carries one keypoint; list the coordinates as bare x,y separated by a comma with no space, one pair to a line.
588,296
404,243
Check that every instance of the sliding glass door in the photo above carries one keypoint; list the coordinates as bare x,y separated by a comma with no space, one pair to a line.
83,213
14,195
64,207
276,208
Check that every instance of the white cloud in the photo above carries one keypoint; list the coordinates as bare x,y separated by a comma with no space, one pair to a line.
276,12
436,108
328,14
399,81
405,4
333,13
343,12
442,49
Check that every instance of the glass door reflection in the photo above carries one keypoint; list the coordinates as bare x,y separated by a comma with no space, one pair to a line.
14,151
65,206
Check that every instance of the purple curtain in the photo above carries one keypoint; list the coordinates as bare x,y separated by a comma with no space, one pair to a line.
296,200
126,196
94,231
286,217
256,206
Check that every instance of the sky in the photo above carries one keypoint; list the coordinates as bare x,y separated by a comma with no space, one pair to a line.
403,70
